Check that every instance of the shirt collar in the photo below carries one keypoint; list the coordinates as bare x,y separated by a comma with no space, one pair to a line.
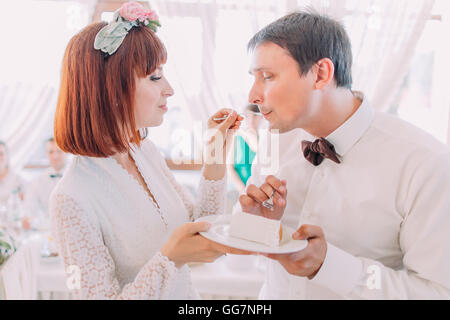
345,137
52,171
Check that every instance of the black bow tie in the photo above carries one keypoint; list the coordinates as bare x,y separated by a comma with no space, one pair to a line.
318,150
56,175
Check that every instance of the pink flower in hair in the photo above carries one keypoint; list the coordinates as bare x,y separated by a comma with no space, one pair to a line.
132,11
151,15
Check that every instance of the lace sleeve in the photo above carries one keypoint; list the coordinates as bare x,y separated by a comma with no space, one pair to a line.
81,245
211,197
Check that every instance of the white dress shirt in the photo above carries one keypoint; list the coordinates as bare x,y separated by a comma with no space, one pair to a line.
385,212
37,196
8,185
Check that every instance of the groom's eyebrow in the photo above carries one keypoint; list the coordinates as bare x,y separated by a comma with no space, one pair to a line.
251,71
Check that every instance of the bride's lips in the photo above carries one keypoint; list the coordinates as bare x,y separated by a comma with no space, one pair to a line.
164,107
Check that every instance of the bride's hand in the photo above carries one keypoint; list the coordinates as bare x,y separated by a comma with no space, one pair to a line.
219,133
187,245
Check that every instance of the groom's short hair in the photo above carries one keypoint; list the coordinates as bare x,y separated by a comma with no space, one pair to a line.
309,37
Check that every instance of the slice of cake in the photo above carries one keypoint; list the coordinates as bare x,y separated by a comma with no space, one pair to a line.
256,228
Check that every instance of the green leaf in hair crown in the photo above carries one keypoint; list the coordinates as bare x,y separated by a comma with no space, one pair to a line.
131,14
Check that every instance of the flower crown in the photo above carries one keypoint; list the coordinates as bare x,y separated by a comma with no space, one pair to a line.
131,14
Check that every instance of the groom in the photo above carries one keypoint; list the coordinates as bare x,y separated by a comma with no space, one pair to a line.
370,192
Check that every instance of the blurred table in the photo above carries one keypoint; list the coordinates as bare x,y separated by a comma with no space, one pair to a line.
229,277
52,279
46,275
226,278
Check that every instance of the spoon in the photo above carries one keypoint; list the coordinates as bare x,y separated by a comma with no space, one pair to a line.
240,114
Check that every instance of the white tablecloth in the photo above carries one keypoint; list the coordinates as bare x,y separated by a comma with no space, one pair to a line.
29,276
223,278
229,277
18,275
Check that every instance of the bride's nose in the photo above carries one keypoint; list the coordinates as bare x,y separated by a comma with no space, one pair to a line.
168,90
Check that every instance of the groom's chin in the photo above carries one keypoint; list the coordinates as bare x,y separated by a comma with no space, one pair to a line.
278,128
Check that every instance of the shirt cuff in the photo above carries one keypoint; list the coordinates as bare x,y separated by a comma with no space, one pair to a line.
340,271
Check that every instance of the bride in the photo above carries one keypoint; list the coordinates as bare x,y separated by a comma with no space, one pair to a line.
118,214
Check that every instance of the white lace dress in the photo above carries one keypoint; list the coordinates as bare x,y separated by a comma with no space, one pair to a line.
106,225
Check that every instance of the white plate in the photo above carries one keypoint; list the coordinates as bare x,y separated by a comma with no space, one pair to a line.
219,232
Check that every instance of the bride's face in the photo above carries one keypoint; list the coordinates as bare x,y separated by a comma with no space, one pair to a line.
151,96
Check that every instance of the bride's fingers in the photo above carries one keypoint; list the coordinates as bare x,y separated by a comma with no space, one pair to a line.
228,122
237,123
224,113
220,114
236,126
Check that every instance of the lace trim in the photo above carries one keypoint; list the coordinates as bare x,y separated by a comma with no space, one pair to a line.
81,245
212,197
155,202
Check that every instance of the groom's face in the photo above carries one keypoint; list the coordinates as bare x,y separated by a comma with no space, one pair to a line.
284,97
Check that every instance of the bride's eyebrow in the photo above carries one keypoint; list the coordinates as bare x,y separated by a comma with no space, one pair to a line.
159,69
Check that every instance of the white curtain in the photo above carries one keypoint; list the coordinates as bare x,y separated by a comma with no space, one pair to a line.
384,36
207,40
208,60
26,112
448,129
33,44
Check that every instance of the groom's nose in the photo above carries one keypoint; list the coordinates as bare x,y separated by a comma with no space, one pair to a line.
255,96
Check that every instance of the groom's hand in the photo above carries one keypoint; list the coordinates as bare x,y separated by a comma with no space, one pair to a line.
251,202
305,263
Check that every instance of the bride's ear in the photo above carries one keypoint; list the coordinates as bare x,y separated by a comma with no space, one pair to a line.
324,73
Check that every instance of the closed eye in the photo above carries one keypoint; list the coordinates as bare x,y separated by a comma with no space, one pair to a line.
267,76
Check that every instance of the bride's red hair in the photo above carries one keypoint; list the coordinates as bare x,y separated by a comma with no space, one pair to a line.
94,114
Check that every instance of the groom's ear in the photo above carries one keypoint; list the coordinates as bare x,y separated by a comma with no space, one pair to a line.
323,72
